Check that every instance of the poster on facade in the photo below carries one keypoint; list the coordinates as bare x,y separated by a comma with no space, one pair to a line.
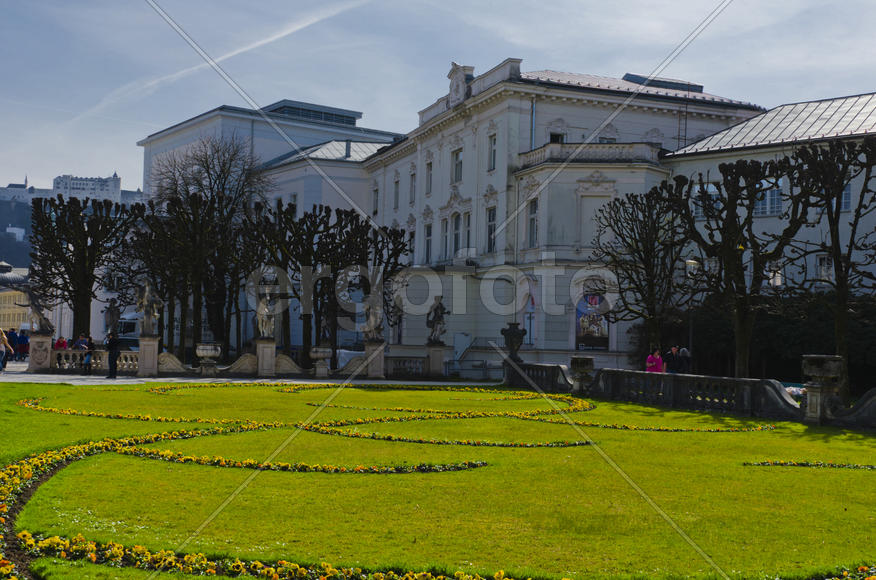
591,326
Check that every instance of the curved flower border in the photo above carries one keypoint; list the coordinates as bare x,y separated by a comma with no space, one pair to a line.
810,464
218,461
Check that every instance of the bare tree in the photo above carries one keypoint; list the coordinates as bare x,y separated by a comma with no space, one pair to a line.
73,244
642,241
838,176
720,219
206,191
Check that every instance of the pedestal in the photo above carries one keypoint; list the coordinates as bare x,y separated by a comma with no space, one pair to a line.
147,360
435,360
266,354
40,357
320,356
822,372
374,356
207,354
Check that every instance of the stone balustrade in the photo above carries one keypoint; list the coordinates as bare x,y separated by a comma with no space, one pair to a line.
752,397
71,360
405,366
596,152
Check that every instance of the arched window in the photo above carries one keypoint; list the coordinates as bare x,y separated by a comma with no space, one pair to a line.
591,325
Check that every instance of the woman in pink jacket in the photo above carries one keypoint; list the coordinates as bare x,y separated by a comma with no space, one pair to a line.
654,362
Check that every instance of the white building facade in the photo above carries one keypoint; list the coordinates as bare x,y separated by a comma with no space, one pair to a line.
498,185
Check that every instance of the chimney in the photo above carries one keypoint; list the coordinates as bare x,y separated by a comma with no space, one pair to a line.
347,152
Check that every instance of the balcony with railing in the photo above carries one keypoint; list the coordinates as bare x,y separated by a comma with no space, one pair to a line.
591,153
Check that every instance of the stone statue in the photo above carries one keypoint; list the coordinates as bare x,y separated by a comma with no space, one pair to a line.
265,316
150,305
373,331
40,324
435,322
111,315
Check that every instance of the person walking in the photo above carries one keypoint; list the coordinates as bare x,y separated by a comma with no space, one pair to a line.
654,362
4,349
672,360
112,347
89,352
12,337
684,355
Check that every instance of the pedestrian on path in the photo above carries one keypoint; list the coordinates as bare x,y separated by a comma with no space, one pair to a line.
112,347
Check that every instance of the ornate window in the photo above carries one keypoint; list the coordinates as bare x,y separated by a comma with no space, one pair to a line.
429,178
491,153
427,244
457,231
591,325
395,188
846,201
532,232
444,245
456,165
466,223
413,190
375,201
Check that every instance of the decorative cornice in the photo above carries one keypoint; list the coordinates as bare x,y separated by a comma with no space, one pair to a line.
531,184
412,222
455,203
491,194
413,167
596,184
427,213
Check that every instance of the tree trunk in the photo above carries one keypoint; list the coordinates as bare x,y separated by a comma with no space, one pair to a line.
81,315
841,336
183,326
161,319
197,314
306,343
287,330
226,331
171,316
743,326
652,331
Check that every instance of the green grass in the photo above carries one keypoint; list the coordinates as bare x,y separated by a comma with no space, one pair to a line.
549,512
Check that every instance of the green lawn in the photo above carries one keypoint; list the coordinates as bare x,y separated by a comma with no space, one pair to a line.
542,512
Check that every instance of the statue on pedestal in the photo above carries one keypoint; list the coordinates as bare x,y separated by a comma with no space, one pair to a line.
150,305
40,324
111,315
373,330
265,316
435,322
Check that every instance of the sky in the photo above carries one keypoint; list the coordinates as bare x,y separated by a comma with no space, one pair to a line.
83,81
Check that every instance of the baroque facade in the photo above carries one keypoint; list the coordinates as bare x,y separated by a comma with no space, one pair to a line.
498,185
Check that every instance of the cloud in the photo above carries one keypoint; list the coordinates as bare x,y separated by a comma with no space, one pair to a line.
144,87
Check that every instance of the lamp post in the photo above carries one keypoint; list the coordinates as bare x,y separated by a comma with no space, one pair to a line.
691,268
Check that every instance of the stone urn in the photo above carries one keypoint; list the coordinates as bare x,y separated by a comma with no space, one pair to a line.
582,371
320,355
823,369
514,340
207,353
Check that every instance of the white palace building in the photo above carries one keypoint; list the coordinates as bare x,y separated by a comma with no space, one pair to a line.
497,187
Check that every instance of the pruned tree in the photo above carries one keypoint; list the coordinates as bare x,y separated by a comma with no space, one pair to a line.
741,258
643,242
74,241
838,177
206,191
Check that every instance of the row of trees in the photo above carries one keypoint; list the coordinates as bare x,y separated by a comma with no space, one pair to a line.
198,241
712,222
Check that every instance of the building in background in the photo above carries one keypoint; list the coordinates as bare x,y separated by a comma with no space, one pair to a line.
498,186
